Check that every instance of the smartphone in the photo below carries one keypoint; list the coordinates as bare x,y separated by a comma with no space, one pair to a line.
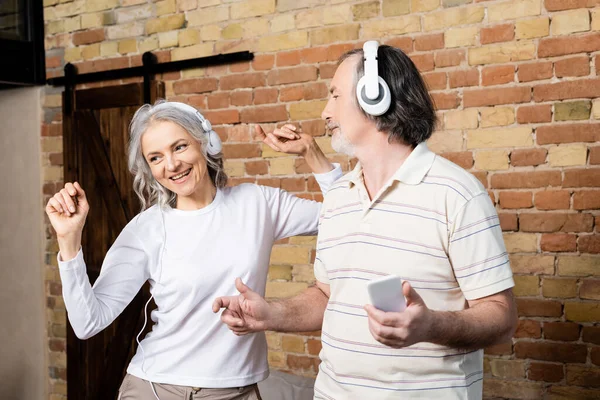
386,294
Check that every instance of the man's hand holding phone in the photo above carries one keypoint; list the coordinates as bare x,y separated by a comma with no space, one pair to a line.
398,316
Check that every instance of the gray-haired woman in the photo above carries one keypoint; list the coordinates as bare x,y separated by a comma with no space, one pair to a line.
194,237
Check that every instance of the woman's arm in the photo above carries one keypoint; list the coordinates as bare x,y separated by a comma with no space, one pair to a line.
123,272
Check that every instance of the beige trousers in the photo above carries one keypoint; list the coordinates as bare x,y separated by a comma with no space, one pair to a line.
134,388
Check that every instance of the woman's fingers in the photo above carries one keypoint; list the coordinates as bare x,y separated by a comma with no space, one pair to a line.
64,209
53,206
69,202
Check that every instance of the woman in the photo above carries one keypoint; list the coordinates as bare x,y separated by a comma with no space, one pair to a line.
194,237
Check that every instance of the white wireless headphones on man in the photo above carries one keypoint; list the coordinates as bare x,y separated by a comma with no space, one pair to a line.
214,146
373,93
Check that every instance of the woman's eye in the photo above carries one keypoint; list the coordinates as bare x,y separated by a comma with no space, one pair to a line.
153,159
180,147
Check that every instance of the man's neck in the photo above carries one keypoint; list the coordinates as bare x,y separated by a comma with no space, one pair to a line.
380,161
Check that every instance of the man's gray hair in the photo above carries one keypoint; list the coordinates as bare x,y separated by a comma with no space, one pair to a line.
147,188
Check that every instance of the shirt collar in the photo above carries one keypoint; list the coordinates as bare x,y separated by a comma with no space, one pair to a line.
412,171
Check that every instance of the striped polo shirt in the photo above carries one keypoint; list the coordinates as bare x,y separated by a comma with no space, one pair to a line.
432,224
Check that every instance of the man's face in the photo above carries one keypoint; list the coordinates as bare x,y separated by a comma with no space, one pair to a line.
345,120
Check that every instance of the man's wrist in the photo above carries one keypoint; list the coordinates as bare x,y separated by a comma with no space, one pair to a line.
316,160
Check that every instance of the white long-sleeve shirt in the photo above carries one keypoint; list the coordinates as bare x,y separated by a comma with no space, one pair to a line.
190,258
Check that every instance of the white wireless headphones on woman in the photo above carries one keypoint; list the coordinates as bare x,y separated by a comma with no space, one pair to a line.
373,93
214,146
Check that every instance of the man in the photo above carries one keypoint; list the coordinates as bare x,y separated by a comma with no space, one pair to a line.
402,211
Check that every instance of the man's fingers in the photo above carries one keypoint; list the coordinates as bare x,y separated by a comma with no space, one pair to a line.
220,302
259,132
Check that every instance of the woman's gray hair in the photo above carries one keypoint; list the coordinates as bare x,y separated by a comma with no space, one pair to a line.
147,188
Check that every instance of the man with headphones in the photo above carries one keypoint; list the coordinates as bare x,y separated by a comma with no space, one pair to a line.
402,211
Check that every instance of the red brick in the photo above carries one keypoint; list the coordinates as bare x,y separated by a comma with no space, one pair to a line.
88,37
589,244
201,85
582,177
538,308
534,114
568,133
545,372
449,58
55,129
497,75
529,157
335,51
57,345
574,66
217,70
586,200
265,95
555,222
294,184
498,33
292,75
463,159
313,346
308,91
515,200
264,114
429,42
579,375
559,352
595,155
54,62
327,71
435,80
591,334
314,55
250,80
491,97
528,329
241,150
583,88
508,221
243,66
423,62
56,158
532,179
535,71
288,58
445,101
501,349
301,362
553,200
228,116
314,127
241,98
464,78
272,182
590,289
218,100
403,43
558,242
239,133
263,62
50,188
568,44
563,331
54,288
483,178
559,5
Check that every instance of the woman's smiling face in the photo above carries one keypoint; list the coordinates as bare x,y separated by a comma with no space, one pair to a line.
175,159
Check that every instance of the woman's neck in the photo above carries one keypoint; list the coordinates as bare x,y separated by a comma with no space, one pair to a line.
197,200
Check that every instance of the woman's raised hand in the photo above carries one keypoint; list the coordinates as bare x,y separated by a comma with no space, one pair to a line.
67,211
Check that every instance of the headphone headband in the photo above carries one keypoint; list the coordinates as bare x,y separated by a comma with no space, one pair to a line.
214,146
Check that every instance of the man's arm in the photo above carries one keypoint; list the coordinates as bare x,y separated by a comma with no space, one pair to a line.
487,321
249,312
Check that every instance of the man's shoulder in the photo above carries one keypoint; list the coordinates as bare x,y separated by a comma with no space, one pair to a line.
447,174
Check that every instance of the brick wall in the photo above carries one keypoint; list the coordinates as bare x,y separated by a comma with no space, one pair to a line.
517,87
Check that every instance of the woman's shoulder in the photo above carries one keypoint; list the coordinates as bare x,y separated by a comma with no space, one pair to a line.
145,220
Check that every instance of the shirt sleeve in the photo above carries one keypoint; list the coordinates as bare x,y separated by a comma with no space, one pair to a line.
292,215
477,251
124,271
327,179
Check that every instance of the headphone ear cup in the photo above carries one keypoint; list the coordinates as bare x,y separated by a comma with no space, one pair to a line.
215,145
376,106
